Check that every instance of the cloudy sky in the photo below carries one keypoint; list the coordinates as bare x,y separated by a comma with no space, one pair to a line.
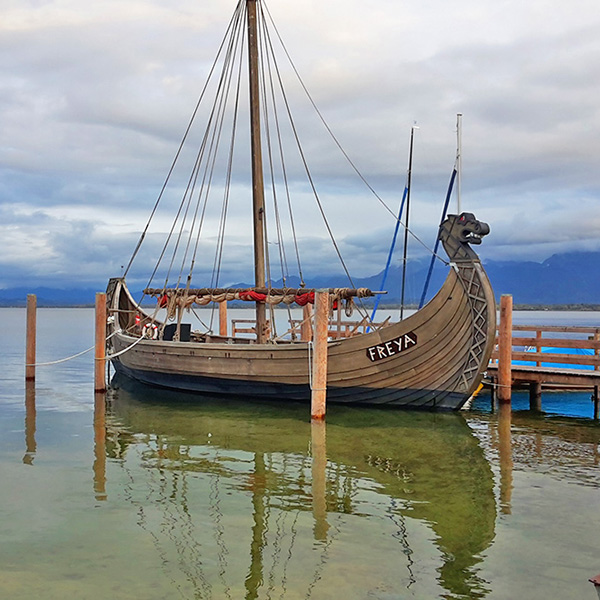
95,97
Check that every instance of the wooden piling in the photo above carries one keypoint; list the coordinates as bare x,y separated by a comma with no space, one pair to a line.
319,366
30,418
100,362
223,318
535,396
306,331
31,335
505,349
596,401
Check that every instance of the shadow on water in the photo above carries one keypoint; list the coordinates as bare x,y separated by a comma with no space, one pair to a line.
414,471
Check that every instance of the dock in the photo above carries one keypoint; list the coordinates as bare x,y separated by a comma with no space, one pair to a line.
550,356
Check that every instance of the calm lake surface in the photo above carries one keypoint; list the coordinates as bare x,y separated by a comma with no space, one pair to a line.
148,494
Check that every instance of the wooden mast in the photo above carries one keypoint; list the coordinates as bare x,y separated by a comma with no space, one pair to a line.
258,199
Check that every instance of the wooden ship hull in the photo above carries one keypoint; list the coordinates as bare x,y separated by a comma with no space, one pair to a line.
434,359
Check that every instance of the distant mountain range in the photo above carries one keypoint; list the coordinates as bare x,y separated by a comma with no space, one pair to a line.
570,278
50,296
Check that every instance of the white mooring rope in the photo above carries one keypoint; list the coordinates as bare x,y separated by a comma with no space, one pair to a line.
62,360
109,357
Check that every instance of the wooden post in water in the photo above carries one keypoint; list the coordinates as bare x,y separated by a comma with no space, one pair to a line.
30,416
535,396
493,395
319,366
223,318
31,334
505,349
100,357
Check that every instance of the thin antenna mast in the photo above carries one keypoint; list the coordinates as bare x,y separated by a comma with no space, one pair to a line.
408,186
458,160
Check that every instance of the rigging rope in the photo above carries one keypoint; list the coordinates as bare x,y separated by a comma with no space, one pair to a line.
232,29
307,170
340,147
181,144
267,70
183,240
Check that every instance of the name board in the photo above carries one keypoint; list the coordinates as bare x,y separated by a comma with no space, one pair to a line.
395,346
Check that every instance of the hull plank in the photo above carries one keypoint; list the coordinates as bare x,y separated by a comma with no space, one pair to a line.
400,397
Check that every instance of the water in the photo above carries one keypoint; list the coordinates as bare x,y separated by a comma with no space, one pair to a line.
146,494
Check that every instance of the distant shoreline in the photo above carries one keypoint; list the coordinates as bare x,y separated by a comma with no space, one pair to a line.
518,307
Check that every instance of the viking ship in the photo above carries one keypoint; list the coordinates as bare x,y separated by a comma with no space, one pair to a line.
432,359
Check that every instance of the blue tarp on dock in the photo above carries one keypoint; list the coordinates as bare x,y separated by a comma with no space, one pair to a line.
545,350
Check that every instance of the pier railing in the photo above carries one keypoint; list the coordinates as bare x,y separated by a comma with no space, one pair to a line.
543,355
544,345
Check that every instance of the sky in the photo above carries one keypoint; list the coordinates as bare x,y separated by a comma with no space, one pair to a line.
95,97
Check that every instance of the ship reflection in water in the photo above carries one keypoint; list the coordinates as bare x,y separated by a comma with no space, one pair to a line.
253,501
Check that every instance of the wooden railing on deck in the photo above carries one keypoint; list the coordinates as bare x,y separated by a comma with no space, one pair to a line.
337,329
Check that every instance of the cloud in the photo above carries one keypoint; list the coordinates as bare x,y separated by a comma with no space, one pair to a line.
94,101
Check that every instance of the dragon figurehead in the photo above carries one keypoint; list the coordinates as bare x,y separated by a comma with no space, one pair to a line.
458,232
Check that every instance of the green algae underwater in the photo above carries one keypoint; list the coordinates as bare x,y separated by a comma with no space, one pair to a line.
148,493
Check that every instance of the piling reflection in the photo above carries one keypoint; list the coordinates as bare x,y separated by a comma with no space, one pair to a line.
258,485
565,447
371,483
99,467
505,455
318,432
30,423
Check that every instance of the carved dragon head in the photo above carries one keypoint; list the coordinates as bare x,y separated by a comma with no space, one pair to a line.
458,231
